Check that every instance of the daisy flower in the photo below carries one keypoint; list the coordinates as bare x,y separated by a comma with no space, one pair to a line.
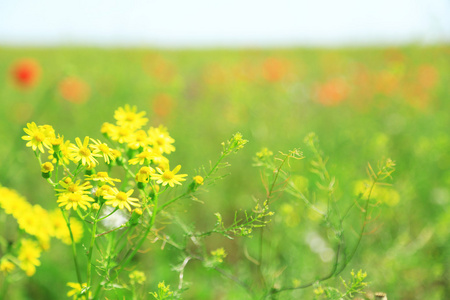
121,199
73,200
138,139
168,177
82,153
29,254
142,158
74,187
102,177
104,150
37,137
160,140
128,117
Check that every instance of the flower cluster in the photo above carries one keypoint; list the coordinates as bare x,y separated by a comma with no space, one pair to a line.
39,225
131,146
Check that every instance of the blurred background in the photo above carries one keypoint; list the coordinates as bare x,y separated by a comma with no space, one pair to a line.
370,78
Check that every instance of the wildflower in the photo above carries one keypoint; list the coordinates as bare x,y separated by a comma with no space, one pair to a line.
144,174
102,177
275,69
104,150
73,200
103,190
121,199
160,140
74,90
168,177
163,105
37,137
138,140
13,203
77,290
60,229
35,221
198,179
107,128
332,92
64,154
219,254
6,266
127,117
143,158
47,167
29,254
137,277
120,134
25,73
74,187
82,153
264,153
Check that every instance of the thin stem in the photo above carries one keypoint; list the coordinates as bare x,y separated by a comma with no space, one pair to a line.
74,249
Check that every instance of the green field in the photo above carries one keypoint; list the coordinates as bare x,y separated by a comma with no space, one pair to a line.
364,105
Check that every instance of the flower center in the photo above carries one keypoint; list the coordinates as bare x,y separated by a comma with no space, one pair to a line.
160,140
84,151
75,197
122,196
39,137
104,148
168,175
73,188
102,174
130,117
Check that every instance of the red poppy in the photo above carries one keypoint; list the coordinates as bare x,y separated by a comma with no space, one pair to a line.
25,73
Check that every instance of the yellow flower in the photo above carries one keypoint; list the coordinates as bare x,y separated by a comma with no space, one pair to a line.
74,187
160,140
77,290
107,128
120,134
121,199
37,137
103,191
66,155
137,277
7,266
60,227
82,153
142,158
29,254
102,177
198,179
127,117
13,203
138,139
104,150
73,200
168,177
144,174
47,167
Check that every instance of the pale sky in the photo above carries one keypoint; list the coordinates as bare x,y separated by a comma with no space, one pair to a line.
230,23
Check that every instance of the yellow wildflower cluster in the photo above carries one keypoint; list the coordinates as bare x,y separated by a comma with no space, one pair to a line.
39,224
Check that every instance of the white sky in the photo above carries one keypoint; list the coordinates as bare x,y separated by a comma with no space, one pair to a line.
214,23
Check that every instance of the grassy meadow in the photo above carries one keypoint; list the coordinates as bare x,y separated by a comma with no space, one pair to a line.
364,105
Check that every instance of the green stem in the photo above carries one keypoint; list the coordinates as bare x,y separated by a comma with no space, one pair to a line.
74,249
91,250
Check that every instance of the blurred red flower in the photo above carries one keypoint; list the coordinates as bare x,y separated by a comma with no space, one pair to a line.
332,92
163,105
74,90
25,73
275,69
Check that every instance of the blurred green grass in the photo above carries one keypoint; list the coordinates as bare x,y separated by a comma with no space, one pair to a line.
364,104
